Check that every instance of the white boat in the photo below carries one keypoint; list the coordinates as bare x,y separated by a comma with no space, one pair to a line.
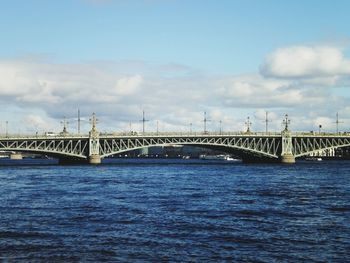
218,157
317,159
212,157
231,159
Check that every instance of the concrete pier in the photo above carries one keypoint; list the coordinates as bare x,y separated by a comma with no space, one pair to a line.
94,159
16,156
287,159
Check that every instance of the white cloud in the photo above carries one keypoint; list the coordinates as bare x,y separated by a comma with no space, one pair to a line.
36,122
256,91
306,62
128,85
176,95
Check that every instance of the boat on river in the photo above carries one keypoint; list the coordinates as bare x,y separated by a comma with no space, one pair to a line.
218,157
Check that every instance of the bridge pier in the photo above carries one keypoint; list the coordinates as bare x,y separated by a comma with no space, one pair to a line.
287,156
94,159
16,156
287,159
94,143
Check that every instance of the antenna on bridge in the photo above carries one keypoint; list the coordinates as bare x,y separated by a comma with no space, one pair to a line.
286,122
79,120
7,128
248,123
65,125
267,121
143,121
205,120
337,122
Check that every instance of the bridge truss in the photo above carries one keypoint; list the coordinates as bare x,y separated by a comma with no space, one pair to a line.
262,146
306,145
284,146
70,147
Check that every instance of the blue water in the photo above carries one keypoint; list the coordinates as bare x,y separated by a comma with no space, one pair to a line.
175,210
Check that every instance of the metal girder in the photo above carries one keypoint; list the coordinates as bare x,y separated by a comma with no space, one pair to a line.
307,145
265,146
64,147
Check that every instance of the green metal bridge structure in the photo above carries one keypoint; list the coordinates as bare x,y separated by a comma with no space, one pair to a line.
283,147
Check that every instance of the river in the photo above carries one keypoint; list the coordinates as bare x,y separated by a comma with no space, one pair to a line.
175,211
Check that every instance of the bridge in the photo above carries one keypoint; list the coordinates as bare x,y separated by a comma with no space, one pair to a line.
283,147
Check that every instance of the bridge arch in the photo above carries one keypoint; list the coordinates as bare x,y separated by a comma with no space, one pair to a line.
307,146
236,149
56,154
320,149
56,147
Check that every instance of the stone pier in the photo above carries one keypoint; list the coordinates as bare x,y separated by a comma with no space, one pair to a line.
16,156
94,159
287,159
94,143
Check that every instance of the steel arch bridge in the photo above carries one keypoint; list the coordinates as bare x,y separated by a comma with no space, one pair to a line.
276,147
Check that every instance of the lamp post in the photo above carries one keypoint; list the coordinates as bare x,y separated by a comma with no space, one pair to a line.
205,120
248,124
286,122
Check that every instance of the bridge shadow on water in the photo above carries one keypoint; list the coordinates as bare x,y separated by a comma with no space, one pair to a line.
158,161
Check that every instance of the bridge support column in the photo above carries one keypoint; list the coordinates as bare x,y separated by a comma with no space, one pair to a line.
16,156
287,159
94,143
287,156
94,159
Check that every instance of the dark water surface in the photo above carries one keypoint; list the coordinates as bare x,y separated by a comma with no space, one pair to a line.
161,210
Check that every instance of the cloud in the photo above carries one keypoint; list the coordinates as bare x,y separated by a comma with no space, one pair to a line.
37,122
176,95
128,85
306,62
256,91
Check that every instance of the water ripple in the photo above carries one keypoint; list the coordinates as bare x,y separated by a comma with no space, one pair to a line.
170,211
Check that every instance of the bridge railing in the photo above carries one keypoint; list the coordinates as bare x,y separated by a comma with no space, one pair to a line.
219,134
168,134
41,136
185,134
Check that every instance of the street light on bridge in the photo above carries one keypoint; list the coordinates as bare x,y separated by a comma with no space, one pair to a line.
248,123
93,121
286,122
65,124
205,120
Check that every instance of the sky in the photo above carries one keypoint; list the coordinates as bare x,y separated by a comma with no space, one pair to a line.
174,59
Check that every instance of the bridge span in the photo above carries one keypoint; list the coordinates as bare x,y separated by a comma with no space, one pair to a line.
282,147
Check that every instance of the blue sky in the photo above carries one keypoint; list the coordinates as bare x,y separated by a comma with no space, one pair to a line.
201,39
218,36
